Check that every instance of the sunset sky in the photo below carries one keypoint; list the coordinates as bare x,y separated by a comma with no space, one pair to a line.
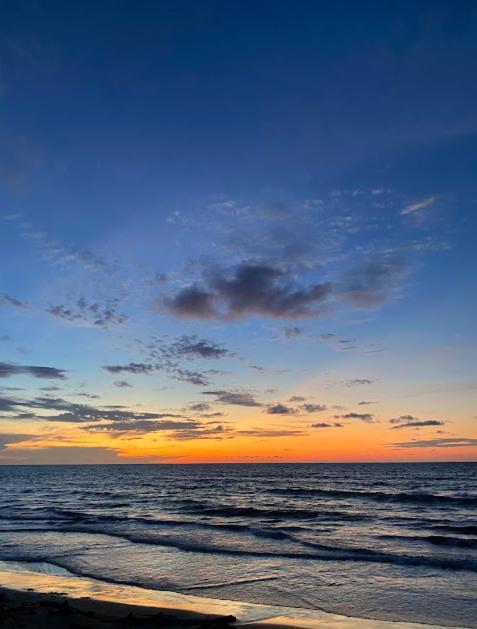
238,231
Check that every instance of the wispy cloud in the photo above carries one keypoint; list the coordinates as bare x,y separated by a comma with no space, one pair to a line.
451,442
418,205
419,424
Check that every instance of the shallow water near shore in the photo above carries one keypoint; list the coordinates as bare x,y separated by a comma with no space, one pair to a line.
391,542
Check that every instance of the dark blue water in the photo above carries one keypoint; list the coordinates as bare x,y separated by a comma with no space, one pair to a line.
390,541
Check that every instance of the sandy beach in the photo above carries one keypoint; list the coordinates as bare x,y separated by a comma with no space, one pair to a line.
33,600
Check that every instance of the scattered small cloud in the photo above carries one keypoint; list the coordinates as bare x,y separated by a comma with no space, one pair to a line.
280,409
364,417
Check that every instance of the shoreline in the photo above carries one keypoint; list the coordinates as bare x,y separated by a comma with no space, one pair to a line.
38,600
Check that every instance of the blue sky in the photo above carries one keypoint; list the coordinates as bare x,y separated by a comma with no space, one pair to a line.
275,200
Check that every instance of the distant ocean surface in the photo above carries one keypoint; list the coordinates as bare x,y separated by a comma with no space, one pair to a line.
385,541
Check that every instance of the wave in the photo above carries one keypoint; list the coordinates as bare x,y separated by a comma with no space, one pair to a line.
437,540
435,500
284,513
322,552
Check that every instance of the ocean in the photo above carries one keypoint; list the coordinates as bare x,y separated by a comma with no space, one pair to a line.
382,541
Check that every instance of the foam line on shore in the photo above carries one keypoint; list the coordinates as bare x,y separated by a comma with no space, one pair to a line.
18,577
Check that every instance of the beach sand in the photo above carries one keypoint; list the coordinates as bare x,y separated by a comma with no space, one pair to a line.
34,600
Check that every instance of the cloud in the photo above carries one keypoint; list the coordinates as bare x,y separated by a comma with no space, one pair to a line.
11,369
280,409
133,368
338,343
142,426
353,382
7,439
122,384
440,442
248,290
191,346
12,301
199,407
418,205
72,412
297,398
292,332
169,358
419,424
4,338
218,432
327,425
193,377
65,455
374,282
96,314
313,408
365,403
193,302
235,398
403,418
263,432
364,417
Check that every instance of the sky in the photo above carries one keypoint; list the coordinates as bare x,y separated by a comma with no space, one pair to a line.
238,231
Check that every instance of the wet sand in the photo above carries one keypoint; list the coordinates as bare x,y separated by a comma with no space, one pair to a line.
33,600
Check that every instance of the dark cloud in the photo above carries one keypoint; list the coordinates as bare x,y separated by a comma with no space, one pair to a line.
327,425
440,442
142,426
169,358
199,407
292,332
12,301
7,439
353,382
297,398
210,415
263,432
236,398
94,313
193,302
133,368
7,404
191,346
72,412
248,290
338,343
121,384
12,369
313,408
403,418
419,424
364,417
365,403
280,409
193,377
4,338
218,432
